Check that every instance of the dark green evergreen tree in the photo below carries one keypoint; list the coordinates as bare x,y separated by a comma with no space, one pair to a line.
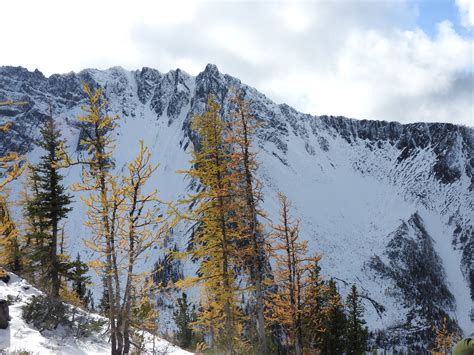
356,331
80,280
50,204
36,243
314,312
183,316
333,341
104,304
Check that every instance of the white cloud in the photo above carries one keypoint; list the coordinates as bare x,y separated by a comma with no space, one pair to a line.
295,18
363,59
466,10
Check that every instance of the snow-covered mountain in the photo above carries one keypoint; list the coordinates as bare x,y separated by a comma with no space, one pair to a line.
390,206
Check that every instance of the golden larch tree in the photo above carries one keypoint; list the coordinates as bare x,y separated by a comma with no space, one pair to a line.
215,240
292,265
121,214
139,214
247,198
11,167
444,340
10,252
101,185
11,164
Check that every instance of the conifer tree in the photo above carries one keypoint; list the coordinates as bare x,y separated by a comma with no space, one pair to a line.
333,339
248,195
291,269
444,339
49,205
104,305
35,237
144,315
120,213
102,200
140,213
35,249
356,332
79,279
215,239
11,167
315,311
10,248
183,316
167,269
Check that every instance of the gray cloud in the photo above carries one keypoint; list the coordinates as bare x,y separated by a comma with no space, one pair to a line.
454,104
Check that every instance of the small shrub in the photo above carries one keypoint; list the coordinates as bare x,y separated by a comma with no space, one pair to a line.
89,326
13,299
45,314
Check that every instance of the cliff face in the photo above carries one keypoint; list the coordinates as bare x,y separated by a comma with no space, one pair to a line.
358,186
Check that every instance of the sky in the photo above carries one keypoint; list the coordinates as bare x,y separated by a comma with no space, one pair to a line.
402,60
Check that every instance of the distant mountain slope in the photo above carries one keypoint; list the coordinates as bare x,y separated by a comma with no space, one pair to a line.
382,201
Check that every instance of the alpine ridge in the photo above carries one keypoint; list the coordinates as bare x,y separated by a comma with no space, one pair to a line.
390,206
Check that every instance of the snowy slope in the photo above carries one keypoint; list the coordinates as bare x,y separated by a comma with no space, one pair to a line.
23,336
354,184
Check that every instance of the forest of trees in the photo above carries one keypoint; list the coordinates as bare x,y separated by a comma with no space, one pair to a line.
260,291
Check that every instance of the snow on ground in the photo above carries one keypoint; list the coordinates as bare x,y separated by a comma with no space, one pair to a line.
22,336
451,260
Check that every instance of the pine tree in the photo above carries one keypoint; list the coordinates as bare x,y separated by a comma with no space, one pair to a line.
248,195
78,276
184,315
333,339
215,239
356,333
49,204
315,311
291,269
36,238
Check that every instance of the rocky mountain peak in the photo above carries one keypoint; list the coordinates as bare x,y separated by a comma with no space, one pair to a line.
362,188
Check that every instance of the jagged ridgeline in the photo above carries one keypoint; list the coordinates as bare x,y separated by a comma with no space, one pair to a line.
390,206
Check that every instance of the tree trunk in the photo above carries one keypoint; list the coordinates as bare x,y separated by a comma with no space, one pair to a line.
55,282
257,273
127,307
225,262
115,346
226,283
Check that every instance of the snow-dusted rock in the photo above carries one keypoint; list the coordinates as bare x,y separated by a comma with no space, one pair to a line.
4,314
